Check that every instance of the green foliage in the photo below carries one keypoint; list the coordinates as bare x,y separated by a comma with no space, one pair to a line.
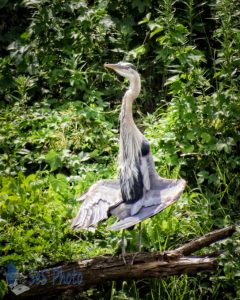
35,222
58,130
64,139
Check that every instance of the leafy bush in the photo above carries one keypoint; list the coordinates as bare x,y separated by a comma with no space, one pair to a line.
64,138
35,222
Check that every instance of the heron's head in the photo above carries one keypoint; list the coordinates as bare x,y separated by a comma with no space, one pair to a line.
124,69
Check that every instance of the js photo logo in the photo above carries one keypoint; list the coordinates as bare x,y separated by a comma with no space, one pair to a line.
56,276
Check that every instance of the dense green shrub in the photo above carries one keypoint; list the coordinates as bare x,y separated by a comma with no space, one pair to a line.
61,140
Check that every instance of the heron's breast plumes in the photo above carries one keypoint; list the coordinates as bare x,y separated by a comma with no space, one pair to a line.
131,179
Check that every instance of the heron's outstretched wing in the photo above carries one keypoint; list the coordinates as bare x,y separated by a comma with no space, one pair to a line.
165,193
96,203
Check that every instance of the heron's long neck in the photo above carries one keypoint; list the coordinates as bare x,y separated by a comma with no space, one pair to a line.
130,136
126,116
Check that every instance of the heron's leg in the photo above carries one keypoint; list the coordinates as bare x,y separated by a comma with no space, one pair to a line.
139,241
123,242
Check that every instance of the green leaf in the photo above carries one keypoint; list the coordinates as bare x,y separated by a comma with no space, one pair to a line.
206,137
156,31
54,160
172,79
146,19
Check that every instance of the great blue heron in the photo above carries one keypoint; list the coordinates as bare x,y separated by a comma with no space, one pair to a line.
140,192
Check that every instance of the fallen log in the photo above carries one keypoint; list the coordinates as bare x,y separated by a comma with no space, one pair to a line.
81,275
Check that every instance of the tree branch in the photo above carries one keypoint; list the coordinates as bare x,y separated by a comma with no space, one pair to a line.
206,240
81,275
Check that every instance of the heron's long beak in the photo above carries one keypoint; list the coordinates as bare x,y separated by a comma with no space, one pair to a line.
111,66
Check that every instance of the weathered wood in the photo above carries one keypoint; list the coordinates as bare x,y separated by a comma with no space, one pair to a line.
91,272
206,240
100,270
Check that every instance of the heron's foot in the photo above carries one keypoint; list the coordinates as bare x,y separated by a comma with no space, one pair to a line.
134,256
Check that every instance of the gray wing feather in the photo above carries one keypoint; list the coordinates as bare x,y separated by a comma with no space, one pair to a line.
96,203
145,173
